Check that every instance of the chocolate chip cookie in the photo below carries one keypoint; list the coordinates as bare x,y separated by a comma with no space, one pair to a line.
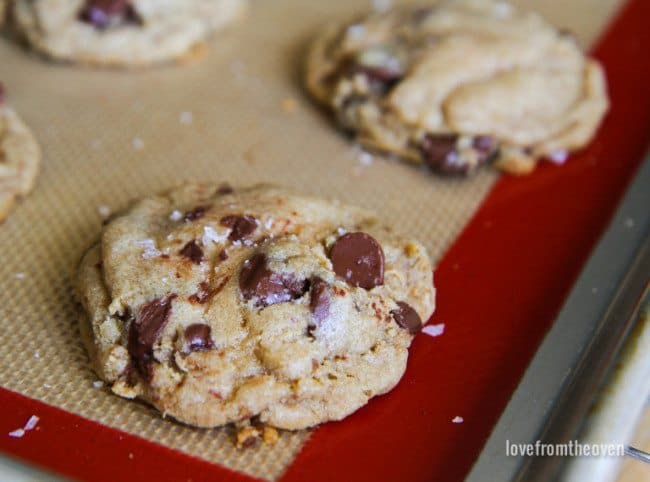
218,305
122,32
459,84
20,157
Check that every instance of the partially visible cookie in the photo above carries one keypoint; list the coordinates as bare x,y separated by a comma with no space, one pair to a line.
219,306
122,32
20,157
459,84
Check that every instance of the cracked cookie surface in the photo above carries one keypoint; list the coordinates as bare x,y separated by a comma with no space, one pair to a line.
122,32
459,84
19,158
218,305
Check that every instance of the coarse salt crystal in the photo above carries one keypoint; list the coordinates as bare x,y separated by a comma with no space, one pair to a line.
31,423
104,211
457,419
20,275
176,215
186,118
98,384
18,433
434,330
137,143
37,355
341,231
47,385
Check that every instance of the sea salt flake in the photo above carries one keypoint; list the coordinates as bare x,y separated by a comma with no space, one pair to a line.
434,330
356,31
457,419
210,235
137,143
47,386
19,275
176,215
37,355
31,423
186,118
98,384
381,5
558,157
18,433
104,211
365,158
150,250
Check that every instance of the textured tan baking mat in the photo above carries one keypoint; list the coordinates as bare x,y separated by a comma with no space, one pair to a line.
239,115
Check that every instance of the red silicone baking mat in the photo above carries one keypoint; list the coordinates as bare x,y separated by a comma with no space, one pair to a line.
500,286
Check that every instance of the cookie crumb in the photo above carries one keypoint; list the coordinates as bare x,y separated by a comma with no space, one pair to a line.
247,437
270,435
289,105
434,330
186,118
138,143
457,419
18,433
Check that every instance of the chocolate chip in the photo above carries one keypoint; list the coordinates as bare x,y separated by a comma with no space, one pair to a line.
198,337
407,317
145,330
240,226
193,252
257,282
440,154
320,299
225,188
359,259
196,213
486,148
108,13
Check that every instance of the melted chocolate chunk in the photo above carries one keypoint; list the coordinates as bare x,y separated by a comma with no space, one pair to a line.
440,154
103,14
320,299
198,337
407,317
240,226
196,213
257,282
359,259
145,330
193,252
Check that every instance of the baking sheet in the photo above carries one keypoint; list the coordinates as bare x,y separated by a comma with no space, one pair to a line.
111,136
